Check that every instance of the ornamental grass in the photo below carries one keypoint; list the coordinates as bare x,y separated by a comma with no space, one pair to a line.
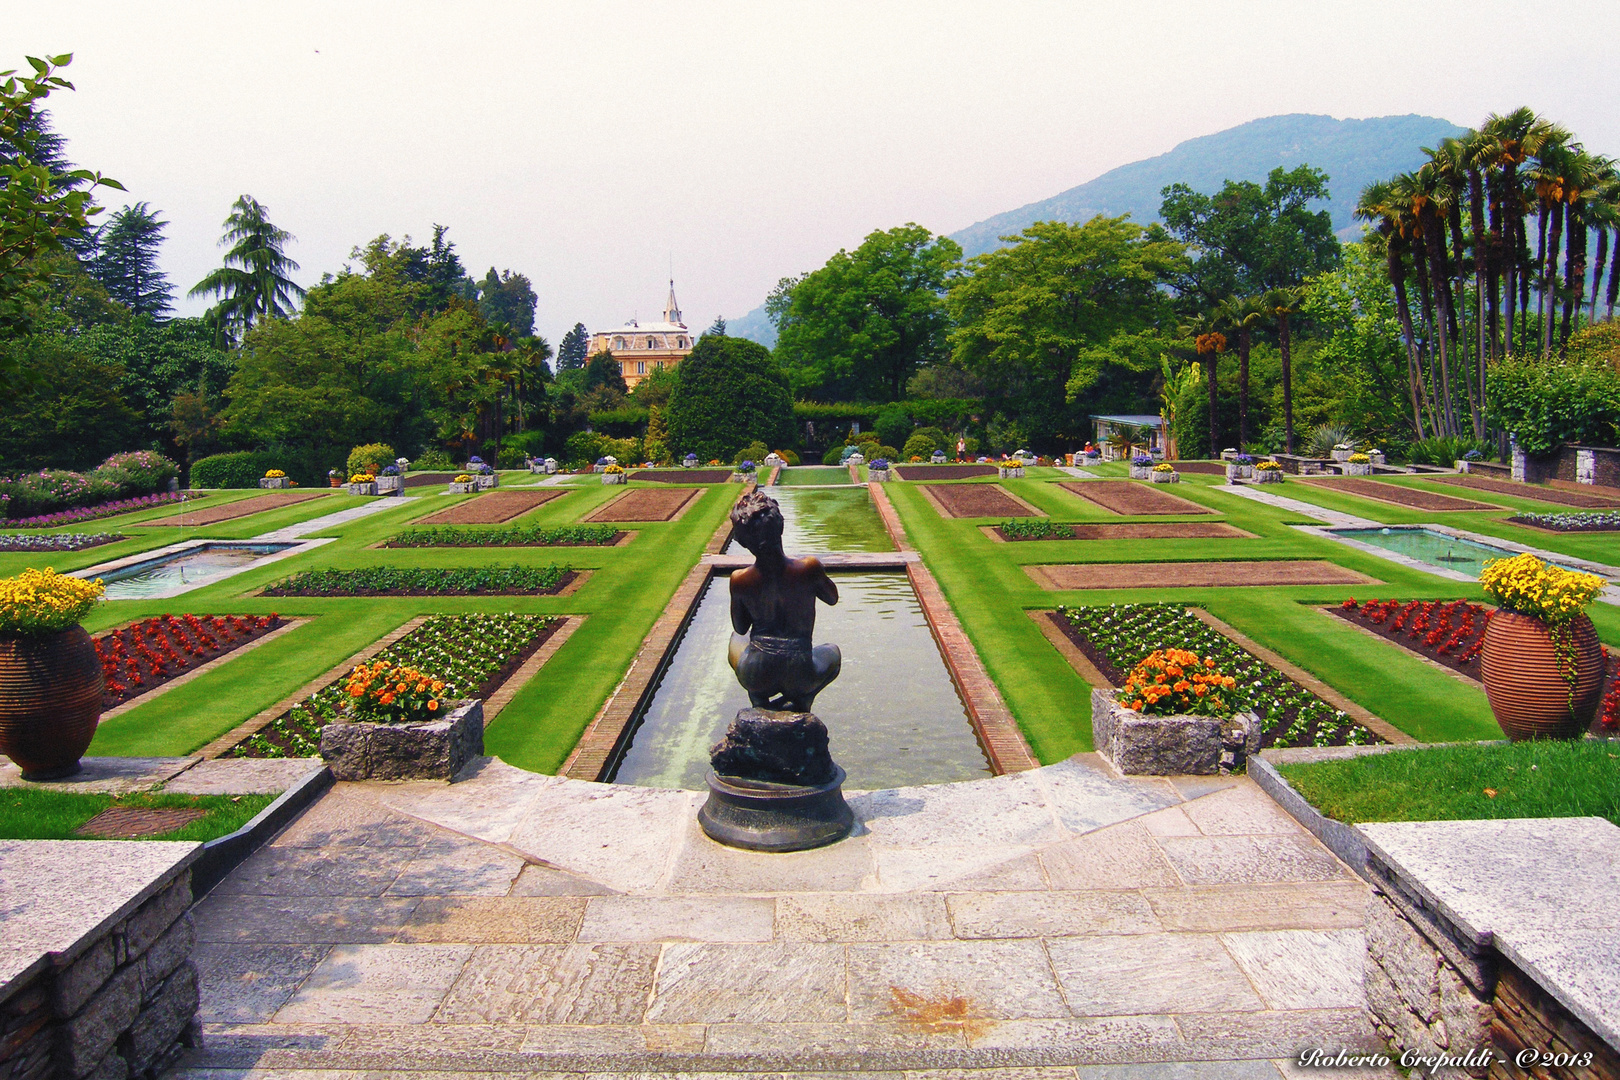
45,602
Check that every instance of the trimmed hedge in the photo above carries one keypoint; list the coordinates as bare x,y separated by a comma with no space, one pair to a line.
242,469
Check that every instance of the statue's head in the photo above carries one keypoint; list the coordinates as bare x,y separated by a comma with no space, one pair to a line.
756,522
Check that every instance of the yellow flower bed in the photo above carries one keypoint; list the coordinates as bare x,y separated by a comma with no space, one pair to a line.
1170,681
1164,467
613,470
274,474
44,602
1360,459
1269,466
464,478
362,478
1528,586
387,693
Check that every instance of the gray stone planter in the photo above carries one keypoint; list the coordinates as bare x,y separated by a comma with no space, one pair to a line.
1141,472
389,485
1342,455
1358,468
1157,477
363,489
856,458
454,488
1239,472
1010,472
937,458
1170,745
275,482
434,750
1268,476
613,477
1377,456
744,477
880,475
484,483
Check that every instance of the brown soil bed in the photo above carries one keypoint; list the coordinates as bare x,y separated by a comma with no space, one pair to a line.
1132,497
430,479
141,657
1202,468
1151,530
1533,491
239,509
1457,628
1169,575
977,500
562,585
646,504
683,476
296,719
1401,496
944,472
491,508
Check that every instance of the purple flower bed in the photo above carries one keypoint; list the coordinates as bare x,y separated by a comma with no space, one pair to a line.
90,513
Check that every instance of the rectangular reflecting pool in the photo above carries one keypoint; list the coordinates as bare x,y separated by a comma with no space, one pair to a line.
1435,548
816,521
192,566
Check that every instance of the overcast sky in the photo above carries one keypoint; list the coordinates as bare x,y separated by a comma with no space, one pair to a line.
588,145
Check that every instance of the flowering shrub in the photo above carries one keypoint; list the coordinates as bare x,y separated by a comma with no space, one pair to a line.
1344,446
475,460
883,463
1164,467
389,693
1243,459
44,602
1170,681
390,470
612,470
1528,586
1359,459
747,467
138,473
368,458
120,476
90,513
274,474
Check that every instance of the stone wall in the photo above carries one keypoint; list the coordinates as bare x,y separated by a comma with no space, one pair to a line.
124,1006
1529,1018
1575,464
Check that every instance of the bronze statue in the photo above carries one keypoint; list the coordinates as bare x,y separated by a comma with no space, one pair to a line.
773,603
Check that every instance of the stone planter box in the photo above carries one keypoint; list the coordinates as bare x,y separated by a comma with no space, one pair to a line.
454,488
1342,455
434,750
937,458
1239,472
879,475
363,489
1170,745
772,461
1158,477
484,483
613,477
855,459
1141,472
744,477
275,482
1010,472
1377,456
1268,476
1358,468
390,485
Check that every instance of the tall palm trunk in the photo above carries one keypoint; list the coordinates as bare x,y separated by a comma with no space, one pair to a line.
1574,269
1512,226
1403,311
1440,286
1243,389
1457,301
1285,344
1482,257
1614,277
1431,385
1597,271
1537,266
1549,274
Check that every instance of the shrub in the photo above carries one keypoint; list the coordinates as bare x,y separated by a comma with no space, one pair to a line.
241,469
140,473
510,457
1444,450
433,459
919,445
834,455
731,392
754,451
44,602
583,448
788,456
893,425
369,458
1547,404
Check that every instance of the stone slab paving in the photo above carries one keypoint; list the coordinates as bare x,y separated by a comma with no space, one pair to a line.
1061,921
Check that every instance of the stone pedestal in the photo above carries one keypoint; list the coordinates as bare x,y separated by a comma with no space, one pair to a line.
487,481
363,489
1141,472
774,786
274,482
435,750
390,485
1139,744
1010,472
1268,476
1159,477
613,478
1358,468
454,488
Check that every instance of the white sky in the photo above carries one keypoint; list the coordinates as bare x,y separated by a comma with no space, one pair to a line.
587,144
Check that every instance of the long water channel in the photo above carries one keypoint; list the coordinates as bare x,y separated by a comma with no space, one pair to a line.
893,714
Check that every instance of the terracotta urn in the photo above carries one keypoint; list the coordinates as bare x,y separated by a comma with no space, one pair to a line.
1528,694
50,700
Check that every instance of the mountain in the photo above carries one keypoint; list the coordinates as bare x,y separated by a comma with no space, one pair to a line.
1354,153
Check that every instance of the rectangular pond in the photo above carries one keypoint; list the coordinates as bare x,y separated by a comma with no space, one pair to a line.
893,713
1435,548
184,569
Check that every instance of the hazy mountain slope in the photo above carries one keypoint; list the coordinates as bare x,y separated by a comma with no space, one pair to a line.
1353,153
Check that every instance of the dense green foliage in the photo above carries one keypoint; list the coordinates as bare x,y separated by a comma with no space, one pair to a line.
731,392
126,261
1546,404
244,468
509,536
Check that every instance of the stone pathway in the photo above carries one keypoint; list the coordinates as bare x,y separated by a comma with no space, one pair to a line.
329,521
1056,922
1336,518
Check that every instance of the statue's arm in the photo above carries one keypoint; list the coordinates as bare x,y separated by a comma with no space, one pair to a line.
741,618
826,591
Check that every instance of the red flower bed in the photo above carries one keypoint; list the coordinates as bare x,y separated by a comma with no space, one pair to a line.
149,653
1449,631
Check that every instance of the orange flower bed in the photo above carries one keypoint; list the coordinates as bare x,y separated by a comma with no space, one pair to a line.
394,694
1170,681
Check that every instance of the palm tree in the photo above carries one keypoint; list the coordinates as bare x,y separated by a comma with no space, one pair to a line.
1520,134
1380,205
1281,304
253,284
1242,315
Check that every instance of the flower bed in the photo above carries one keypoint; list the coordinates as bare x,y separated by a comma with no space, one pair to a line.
426,581
1116,638
1449,632
471,654
100,510
516,536
1034,529
1603,521
141,657
56,541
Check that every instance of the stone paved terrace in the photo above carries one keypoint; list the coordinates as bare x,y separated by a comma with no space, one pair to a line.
1057,922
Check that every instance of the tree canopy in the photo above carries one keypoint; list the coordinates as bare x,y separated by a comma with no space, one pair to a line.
126,261
508,299
730,392
253,284
860,327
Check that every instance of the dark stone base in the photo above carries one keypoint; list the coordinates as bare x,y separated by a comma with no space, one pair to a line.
61,772
775,746
762,816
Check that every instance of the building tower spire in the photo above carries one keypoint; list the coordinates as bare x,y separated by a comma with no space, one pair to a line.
672,310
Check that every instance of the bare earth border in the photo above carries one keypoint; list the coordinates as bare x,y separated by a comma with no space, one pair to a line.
1233,533
680,511
1078,660
288,625
998,732
1157,575
550,496
950,515
1343,487
1078,489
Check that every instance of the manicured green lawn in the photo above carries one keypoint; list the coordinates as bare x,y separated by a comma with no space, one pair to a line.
45,814
1467,781
628,590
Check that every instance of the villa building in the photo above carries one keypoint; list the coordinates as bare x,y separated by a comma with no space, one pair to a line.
643,348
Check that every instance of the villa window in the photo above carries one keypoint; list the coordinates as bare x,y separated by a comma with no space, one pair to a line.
618,343
641,367
650,343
